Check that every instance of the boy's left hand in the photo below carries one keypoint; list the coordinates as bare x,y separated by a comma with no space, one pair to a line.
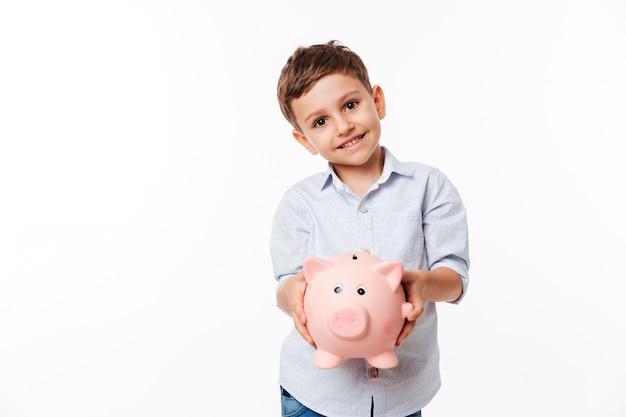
440,284
413,283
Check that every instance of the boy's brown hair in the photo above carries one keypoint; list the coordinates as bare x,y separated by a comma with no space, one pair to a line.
308,64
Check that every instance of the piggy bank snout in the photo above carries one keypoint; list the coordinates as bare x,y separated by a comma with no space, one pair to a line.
349,322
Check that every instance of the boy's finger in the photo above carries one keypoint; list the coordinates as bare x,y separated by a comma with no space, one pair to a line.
417,311
304,332
406,330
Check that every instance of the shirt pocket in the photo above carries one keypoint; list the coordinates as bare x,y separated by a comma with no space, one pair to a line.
403,237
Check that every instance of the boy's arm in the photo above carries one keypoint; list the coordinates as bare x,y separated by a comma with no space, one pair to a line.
290,298
288,246
444,224
440,284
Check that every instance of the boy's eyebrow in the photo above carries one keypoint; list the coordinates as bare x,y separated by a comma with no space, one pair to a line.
340,99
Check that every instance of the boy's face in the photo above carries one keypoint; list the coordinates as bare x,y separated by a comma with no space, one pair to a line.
340,120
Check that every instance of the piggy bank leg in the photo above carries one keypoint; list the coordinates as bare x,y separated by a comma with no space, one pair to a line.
387,359
326,360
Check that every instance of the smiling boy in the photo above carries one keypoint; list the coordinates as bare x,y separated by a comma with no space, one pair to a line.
366,201
339,119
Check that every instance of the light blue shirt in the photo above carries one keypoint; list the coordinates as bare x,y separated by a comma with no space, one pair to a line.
412,214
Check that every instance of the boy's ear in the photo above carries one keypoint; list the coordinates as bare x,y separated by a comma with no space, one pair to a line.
302,140
379,101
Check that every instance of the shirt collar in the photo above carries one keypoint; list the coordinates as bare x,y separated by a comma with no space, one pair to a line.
390,166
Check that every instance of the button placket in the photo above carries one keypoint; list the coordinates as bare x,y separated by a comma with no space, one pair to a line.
364,221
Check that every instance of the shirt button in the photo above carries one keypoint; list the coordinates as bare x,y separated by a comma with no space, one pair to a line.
366,250
363,209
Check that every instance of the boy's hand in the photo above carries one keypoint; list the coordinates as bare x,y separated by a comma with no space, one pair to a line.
440,284
413,283
292,302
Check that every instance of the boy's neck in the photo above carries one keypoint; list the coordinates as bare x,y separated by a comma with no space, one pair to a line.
361,178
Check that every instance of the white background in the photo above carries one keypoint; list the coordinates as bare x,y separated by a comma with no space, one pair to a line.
143,153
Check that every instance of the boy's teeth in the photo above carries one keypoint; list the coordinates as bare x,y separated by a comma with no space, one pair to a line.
351,143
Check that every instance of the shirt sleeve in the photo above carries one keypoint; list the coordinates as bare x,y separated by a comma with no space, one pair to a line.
289,237
445,228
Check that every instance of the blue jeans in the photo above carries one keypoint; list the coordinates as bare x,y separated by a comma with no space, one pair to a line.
292,408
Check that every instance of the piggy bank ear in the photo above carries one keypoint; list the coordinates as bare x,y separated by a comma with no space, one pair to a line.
392,271
313,267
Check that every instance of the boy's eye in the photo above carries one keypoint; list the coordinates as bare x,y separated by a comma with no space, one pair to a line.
351,105
319,122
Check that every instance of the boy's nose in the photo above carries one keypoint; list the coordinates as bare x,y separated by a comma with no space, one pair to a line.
344,125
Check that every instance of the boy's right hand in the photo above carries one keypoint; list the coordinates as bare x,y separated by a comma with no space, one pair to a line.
291,300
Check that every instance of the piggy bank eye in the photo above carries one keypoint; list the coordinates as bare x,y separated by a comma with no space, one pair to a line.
361,289
338,288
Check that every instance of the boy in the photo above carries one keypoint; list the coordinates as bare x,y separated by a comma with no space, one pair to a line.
366,201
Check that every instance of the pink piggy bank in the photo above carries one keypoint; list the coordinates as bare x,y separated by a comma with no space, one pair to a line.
355,308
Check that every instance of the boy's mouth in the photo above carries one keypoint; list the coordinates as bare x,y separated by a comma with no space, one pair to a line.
352,143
